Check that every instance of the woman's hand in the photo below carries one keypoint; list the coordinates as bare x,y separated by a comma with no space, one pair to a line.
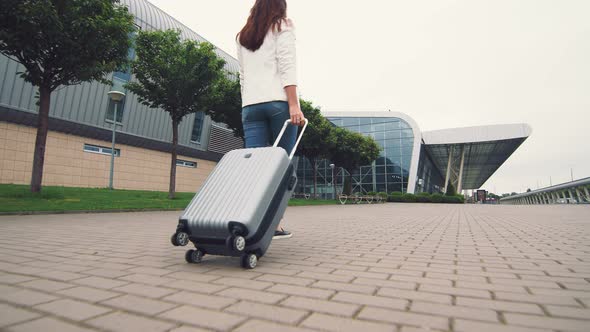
294,108
297,117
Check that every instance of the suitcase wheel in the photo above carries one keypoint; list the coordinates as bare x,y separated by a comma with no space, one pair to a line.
249,261
179,239
239,243
194,256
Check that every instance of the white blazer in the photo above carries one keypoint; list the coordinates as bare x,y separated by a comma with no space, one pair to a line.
265,73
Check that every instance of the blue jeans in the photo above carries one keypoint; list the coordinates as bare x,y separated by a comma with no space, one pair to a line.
263,122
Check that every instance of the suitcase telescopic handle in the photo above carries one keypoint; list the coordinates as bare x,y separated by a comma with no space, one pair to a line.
298,138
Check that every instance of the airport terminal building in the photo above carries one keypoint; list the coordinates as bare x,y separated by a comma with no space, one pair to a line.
81,119
413,161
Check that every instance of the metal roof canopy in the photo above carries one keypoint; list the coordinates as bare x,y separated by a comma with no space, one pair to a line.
469,156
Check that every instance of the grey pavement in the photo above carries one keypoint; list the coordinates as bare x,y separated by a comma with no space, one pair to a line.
388,267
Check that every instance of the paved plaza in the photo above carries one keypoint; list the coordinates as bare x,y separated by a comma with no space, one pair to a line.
388,267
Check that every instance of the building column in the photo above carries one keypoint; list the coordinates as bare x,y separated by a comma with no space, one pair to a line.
460,182
374,171
571,193
447,178
579,195
587,194
553,197
537,200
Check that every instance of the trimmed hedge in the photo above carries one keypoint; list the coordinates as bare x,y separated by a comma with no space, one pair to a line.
456,199
425,198
409,198
395,196
437,198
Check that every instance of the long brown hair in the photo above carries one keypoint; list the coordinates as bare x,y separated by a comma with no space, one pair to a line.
264,15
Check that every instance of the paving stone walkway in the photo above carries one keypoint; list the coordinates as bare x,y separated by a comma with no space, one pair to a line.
389,267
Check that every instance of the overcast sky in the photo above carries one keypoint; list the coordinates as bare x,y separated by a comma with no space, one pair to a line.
444,63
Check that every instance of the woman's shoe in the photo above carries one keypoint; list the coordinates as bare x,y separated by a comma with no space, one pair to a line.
282,234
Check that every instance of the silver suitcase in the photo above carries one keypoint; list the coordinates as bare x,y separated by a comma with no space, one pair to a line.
238,208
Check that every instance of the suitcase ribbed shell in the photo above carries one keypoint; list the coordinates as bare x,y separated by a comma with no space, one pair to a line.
239,189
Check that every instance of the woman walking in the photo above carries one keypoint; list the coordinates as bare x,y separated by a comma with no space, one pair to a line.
268,78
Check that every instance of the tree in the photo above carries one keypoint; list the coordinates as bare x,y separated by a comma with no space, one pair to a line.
351,151
313,144
451,191
228,105
62,42
180,77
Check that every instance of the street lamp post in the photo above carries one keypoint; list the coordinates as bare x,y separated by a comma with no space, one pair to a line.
116,97
333,183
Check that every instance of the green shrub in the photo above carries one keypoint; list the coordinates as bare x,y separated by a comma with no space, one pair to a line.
460,199
409,198
395,197
382,194
454,199
451,191
371,193
436,198
423,198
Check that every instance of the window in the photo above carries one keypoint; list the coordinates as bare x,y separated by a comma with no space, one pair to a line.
185,163
125,73
118,84
101,150
111,110
198,127
119,80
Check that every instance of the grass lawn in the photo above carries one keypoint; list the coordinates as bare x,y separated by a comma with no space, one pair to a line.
18,198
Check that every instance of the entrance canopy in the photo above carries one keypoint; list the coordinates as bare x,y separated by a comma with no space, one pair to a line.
469,156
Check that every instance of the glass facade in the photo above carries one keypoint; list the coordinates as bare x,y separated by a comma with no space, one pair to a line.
120,78
429,177
389,173
118,84
197,127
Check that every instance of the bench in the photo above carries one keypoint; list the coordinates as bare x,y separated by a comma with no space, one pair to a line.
358,199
